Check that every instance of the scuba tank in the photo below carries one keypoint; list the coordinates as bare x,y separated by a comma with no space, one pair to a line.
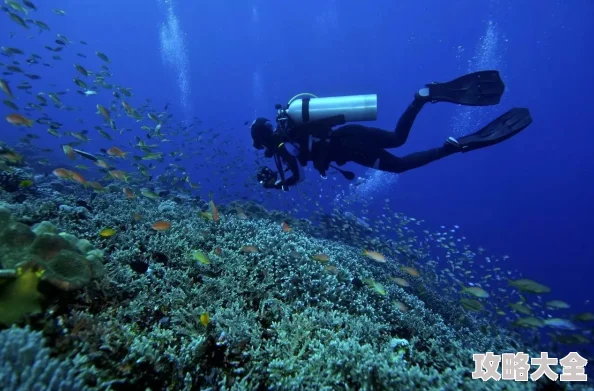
307,107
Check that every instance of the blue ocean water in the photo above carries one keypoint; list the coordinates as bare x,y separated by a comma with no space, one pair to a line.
228,62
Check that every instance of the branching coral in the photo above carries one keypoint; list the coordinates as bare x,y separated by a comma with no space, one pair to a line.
26,364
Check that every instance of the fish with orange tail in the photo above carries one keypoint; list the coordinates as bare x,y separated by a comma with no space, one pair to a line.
377,257
19,120
410,271
161,225
129,193
104,112
78,178
62,173
68,151
119,174
102,164
4,86
116,152
127,107
214,211
96,186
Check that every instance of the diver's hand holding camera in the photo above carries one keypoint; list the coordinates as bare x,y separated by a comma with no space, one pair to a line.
266,175
269,179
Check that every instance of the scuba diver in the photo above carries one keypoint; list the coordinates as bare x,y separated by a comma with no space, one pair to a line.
305,131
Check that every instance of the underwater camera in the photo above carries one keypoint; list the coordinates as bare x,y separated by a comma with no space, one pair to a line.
266,175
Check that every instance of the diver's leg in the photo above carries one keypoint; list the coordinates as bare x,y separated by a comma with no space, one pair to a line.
354,134
384,139
476,89
502,128
406,120
397,138
384,161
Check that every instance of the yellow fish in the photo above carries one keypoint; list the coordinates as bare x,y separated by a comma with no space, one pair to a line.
204,319
320,257
200,257
107,232
476,291
375,256
26,183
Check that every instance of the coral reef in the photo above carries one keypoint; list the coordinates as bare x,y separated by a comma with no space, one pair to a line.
26,364
277,318
9,180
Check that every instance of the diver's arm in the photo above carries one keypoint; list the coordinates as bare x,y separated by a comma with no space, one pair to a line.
293,166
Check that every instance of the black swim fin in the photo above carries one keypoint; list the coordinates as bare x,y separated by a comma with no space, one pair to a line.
500,129
483,88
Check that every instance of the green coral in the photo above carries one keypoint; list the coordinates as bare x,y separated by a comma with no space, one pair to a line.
30,256
19,296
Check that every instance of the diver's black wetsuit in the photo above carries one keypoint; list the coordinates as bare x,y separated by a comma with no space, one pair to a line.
294,145
363,145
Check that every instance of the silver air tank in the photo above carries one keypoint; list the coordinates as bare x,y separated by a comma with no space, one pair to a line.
308,107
